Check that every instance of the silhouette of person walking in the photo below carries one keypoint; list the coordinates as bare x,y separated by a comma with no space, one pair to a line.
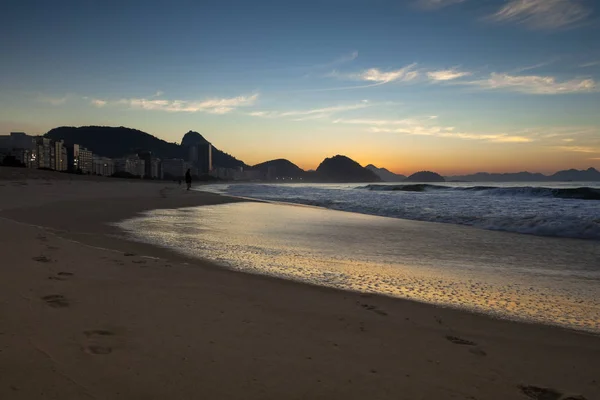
188,179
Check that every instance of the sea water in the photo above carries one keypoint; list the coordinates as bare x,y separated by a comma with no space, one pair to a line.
545,279
561,209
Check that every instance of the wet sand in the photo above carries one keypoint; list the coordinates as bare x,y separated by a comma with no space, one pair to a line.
86,314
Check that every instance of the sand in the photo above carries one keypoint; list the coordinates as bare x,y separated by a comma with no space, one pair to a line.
86,314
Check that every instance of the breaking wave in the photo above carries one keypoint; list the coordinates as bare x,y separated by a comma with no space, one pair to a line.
582,193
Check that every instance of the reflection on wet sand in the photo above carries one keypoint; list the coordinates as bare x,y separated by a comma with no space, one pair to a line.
549,280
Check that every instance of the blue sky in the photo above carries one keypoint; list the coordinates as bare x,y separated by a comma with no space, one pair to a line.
449,85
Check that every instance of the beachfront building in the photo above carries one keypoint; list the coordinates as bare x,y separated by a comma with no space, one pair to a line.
200,158
80,159
226,174
45,153
103,166
174,168
60,156
152,165
132,165
21,146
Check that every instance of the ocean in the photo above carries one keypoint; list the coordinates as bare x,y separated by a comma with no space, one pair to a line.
522,252
563,209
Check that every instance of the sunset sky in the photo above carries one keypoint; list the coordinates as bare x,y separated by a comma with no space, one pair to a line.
452,86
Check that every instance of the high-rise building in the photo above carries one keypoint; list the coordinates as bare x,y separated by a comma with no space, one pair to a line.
174,168
103,166
73,157
45,152
86,160
132,164
60,156
200,157
80,159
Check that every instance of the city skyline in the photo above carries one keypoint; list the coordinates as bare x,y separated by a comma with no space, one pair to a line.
454,86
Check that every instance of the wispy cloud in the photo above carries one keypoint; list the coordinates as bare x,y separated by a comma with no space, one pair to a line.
534,66
590,64
55,101
314,113
405,74
447,74
535,84
543,14
344,59
427,127
212,106
98,102
579,149
435,4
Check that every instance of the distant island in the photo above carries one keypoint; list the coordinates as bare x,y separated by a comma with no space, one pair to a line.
343,169
386,175
571,175
425,176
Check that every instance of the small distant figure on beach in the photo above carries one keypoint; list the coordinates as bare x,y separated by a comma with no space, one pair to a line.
188,179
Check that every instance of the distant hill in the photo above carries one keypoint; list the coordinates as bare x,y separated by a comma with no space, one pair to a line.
425,176
192,138
591,174
506,177
281,168
386,175
344,169
219,158
115,142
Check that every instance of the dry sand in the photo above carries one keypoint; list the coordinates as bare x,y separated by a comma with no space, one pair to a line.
86,314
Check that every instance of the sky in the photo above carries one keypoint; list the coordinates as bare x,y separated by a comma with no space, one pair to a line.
453,86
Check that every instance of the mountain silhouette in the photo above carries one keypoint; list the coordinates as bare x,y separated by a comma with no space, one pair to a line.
281,168
386,175
115,142
591,174
343,169
219,158
192,138
425,176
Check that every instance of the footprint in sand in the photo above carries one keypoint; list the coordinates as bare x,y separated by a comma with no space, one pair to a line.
372,308
42,259
97,339
462,342
542,393
61,276
56,301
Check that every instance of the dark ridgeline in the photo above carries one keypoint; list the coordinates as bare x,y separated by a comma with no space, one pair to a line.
281,169
219,158
588,175
343,169
386,175
116,142
425,176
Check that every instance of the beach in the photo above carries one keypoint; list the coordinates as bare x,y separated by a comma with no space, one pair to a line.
86,313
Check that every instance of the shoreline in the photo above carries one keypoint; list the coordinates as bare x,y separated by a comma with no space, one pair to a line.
281,319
